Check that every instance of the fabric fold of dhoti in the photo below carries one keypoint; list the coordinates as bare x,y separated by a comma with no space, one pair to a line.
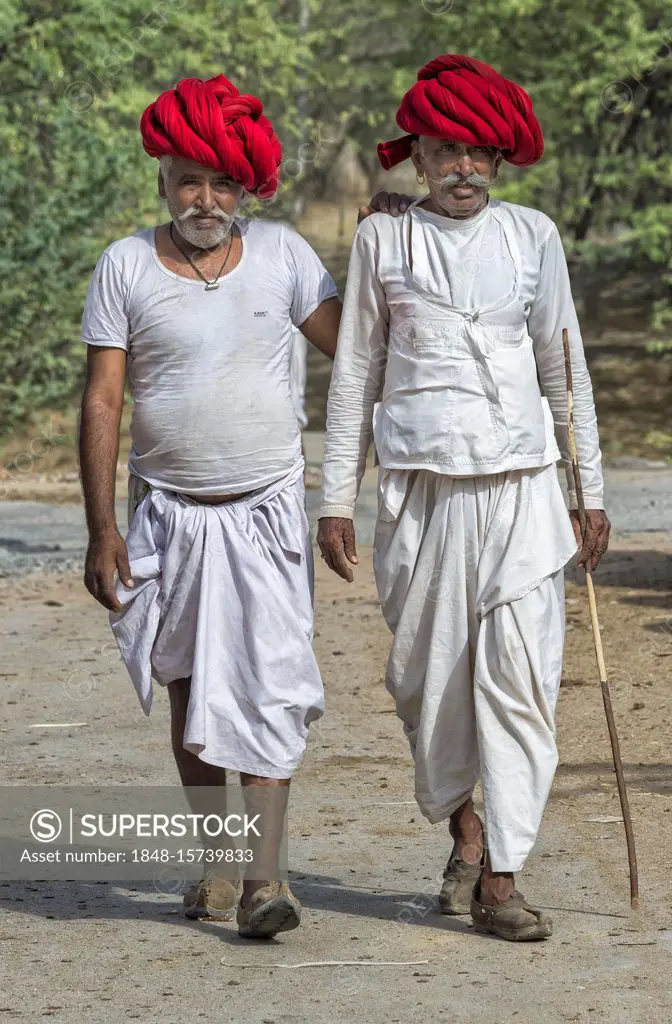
470,576
224,594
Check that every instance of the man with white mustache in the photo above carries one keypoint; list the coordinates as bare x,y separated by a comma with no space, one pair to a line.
214,597
451,330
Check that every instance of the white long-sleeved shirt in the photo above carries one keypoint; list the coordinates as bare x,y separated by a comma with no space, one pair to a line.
444,344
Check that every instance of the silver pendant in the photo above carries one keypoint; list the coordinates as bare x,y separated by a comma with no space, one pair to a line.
211,285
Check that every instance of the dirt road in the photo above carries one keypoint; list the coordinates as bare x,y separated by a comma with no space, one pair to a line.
364,862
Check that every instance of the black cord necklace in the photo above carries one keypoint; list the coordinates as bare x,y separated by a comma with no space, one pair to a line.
209,285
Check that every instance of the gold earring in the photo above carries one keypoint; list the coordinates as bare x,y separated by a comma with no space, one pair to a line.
420,178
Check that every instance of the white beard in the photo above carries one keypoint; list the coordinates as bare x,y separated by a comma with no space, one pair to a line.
185,223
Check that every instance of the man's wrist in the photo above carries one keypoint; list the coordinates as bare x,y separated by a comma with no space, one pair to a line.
98,531
336,512
591,502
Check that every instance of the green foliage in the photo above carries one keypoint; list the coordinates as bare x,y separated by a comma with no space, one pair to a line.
74,79
661,441
73,83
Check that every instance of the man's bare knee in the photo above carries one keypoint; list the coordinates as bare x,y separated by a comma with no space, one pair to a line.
179,689
193,771
261,780
178,695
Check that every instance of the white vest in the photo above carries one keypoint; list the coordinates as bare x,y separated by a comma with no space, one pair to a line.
461,391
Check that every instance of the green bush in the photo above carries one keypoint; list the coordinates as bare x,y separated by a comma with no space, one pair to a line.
74,79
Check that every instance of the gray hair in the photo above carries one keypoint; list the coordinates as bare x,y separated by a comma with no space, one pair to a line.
166,164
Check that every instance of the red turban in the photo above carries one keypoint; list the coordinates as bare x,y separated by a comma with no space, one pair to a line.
464,100
214,125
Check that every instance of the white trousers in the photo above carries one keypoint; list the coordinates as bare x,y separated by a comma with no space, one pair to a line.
223,594
469,573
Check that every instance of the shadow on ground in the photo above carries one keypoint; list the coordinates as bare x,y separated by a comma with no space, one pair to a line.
75,900
70,901
640,570
640,778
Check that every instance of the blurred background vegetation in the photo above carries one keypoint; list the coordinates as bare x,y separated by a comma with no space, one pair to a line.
75,77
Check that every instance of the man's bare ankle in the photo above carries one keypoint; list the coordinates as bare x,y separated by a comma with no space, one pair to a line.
496,888
465,822
249,888
466,829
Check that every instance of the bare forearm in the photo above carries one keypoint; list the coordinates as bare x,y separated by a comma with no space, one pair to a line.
321,327
98,453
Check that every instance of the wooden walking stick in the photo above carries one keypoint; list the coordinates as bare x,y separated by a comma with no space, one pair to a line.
597,640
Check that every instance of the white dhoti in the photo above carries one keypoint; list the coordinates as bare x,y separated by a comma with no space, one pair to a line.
469,573
223,594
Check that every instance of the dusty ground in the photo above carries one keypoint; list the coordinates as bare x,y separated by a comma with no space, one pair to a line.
365,864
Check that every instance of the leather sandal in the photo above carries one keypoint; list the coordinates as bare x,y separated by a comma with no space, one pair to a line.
212,899
459,879
271,909
515,920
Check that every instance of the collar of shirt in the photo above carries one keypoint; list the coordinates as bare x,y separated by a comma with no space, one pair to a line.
463,225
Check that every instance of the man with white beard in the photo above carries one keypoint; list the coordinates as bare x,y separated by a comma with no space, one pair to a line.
214,598
451,329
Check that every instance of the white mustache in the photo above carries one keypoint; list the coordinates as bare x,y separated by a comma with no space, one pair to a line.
475,180
196,211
